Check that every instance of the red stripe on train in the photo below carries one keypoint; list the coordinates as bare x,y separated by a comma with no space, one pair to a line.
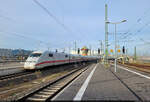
54,61
51,62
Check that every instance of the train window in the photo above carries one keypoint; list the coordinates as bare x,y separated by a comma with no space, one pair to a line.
35,55
66,55
50,55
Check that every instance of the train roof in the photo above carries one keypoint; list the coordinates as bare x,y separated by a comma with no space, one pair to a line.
37,51
76,55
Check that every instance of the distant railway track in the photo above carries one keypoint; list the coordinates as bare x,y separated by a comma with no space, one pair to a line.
13,76
15,67
143,68
139,67
49,90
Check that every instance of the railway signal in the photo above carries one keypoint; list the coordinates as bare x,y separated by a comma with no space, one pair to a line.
123,50
78,50
98,51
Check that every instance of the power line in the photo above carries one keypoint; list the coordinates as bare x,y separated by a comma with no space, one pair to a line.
22,36
61,8
51,15
56,19
137,21
137,31
5,17
26,37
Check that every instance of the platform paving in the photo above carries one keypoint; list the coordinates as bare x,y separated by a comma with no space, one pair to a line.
104,85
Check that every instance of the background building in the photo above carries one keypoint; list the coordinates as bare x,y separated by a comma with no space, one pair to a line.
16,54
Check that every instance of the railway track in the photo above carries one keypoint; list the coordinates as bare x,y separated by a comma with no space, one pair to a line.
143,68
19,75
49,90
13,76
139,68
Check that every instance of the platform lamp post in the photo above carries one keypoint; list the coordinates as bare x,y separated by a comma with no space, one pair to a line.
115,40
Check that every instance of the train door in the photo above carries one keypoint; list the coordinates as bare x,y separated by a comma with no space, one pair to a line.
51,58
66,58
56,59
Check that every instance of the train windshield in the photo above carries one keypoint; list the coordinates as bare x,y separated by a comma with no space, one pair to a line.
35,55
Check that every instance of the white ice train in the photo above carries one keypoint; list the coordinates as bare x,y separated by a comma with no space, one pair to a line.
39,59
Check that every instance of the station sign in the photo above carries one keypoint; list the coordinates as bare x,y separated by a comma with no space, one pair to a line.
111,50
118,50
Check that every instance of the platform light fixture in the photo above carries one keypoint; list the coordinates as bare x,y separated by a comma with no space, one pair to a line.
115,40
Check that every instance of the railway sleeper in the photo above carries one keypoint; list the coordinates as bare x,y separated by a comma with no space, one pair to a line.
31,99
42,96
48,92
45,93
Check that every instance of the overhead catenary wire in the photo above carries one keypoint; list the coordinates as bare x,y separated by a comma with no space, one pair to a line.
6,17
20,35
57,20
51,15
24,37
61,8
128,33
135,33
138,31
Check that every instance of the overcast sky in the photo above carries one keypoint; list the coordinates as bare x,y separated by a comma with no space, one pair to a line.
24,24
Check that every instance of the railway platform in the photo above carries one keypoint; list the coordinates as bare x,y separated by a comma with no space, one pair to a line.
101,83
11,65
10,68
